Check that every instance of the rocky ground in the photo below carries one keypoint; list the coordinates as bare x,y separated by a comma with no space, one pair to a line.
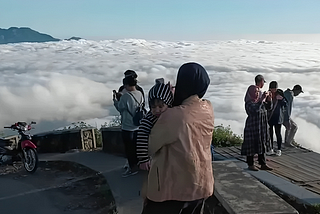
73,188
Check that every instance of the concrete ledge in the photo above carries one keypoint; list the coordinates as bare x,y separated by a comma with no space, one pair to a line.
65,140
284,187
240,193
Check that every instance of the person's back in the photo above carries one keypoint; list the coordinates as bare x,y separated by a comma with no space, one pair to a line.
288,94
291,126
122,89
127,106
181,177
188,128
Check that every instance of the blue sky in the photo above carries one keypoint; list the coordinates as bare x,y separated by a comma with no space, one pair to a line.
162,19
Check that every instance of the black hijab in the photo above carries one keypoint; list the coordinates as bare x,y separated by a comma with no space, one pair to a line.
192,79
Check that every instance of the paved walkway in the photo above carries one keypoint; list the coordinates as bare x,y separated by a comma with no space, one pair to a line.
125,190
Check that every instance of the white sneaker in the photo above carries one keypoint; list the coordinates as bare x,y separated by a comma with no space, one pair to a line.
278,153
129,172
271,152
126,166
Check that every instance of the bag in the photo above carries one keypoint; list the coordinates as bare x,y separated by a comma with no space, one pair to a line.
139,112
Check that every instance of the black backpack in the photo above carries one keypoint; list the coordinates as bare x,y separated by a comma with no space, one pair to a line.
139,112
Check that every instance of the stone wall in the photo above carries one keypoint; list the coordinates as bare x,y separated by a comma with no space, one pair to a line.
112,140
65,140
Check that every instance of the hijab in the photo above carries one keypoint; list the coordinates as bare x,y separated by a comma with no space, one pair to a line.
251,94
192,79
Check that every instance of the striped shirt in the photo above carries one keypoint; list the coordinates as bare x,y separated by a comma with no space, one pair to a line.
159,91
143,137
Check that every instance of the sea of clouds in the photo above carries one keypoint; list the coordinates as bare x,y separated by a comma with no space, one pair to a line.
58,83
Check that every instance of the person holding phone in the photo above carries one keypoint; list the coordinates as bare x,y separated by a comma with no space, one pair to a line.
256,138
276,116
122,90
127,106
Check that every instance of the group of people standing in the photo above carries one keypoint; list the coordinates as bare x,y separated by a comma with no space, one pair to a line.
266,113
172,141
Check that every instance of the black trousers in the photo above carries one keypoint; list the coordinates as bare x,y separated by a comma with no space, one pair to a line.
130,143
173,207
261,159
277,128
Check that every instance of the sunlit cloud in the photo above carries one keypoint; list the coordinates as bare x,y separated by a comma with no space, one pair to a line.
63,82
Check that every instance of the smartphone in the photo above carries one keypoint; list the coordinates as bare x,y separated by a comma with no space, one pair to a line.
117,95
159,80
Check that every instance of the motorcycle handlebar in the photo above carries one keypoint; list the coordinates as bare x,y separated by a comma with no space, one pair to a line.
15,126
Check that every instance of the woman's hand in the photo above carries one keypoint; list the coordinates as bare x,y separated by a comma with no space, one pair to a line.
145,165
264,96
279,97
172,88
269,98
114,93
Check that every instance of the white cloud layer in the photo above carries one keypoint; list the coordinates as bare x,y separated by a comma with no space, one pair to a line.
68,81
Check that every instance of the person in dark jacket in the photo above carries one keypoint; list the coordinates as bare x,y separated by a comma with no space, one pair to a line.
256,134
276,115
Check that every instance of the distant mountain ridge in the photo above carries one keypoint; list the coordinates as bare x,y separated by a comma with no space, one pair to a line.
74,38
25,34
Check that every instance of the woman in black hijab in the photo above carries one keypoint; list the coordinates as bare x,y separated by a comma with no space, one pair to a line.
192,79
180,177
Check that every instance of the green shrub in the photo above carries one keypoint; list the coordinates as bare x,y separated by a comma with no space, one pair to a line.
316,207
224,137
115,122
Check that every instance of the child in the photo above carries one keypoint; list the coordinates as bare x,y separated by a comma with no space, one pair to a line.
160,98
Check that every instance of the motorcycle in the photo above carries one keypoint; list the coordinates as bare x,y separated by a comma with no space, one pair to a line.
24,150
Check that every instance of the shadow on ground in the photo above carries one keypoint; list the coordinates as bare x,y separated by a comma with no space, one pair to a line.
72,187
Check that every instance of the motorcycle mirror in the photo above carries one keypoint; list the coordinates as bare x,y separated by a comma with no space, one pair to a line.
33,122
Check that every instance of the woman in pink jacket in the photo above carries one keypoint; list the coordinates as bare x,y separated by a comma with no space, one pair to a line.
181,177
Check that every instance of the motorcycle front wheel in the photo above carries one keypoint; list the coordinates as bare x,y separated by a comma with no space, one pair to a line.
30,160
